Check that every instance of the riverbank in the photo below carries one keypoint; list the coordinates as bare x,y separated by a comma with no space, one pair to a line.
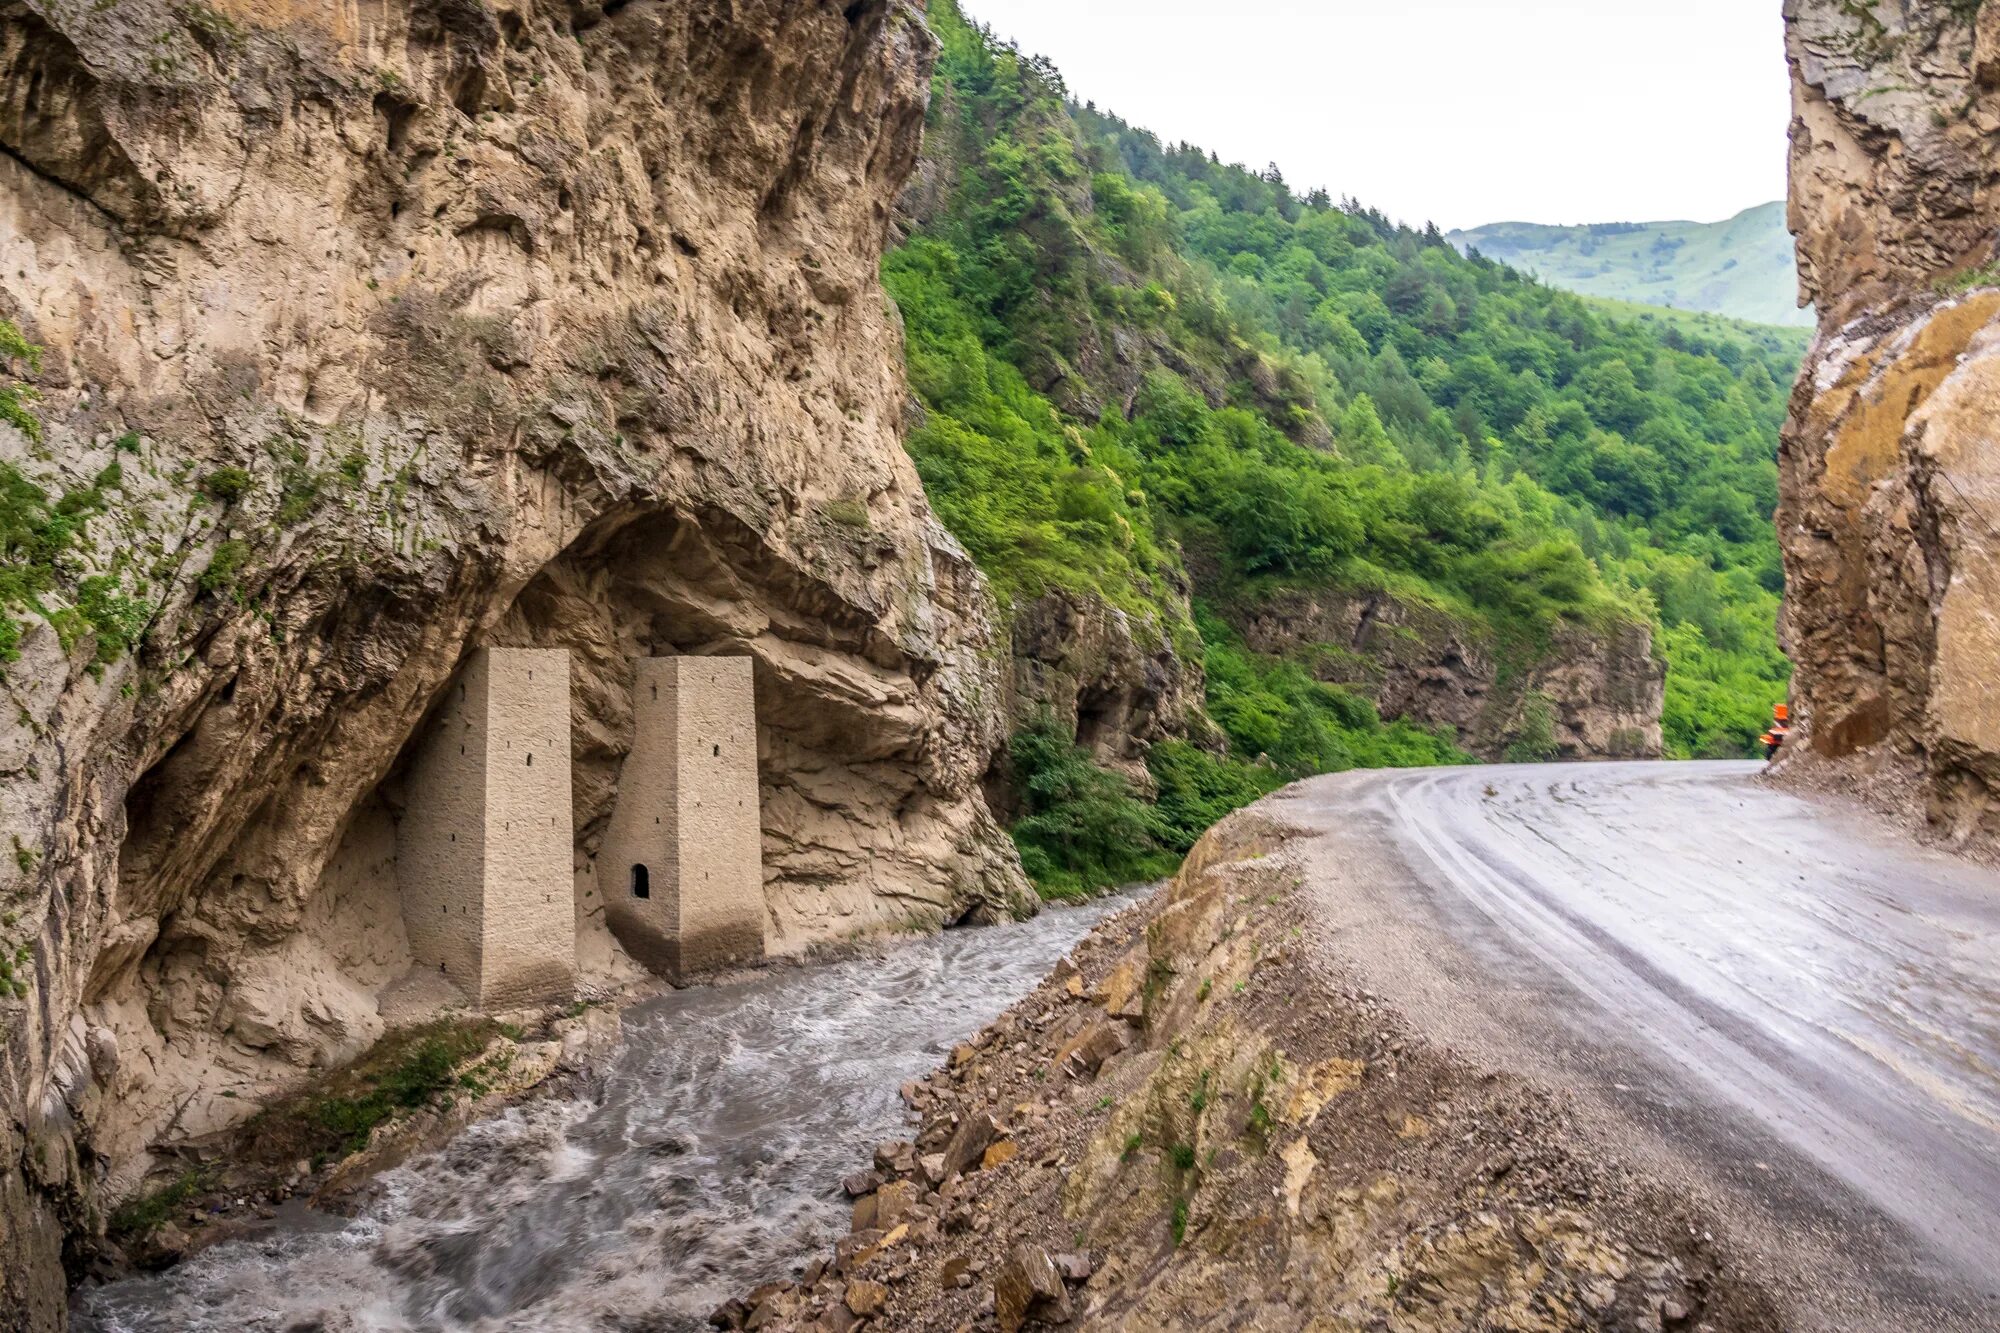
321,1146
693,1162
1199,1120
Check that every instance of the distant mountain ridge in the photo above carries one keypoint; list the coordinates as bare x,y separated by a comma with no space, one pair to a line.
1742,267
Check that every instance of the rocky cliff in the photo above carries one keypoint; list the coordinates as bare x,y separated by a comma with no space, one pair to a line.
354,337
1587,694
1890,517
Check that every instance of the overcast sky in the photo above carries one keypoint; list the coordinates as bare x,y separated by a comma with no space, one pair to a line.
1455,111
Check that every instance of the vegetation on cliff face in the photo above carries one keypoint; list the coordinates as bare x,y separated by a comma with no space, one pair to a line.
1129,354
1085,829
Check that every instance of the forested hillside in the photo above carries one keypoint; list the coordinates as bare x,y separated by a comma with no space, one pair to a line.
1143,371
1741,267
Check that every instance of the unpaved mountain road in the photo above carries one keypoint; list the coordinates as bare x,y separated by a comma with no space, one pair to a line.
1777,1005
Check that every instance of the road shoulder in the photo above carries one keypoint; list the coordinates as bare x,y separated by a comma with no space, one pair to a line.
1379,913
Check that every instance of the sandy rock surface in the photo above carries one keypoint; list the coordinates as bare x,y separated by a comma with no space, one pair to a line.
370,336
1890,482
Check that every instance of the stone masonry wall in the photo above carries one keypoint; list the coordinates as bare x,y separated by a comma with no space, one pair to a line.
440,852
528,934
688,811
483,849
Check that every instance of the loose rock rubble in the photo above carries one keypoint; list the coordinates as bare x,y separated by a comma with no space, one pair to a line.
1191,1125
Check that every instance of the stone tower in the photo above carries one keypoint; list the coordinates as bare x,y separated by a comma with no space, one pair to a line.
681,868
483,849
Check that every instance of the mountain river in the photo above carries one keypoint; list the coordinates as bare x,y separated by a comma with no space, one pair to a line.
708,1162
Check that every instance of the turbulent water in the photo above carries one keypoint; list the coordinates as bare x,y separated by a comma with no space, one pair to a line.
709,1163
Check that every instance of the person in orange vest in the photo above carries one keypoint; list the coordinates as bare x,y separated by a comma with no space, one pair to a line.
1781,727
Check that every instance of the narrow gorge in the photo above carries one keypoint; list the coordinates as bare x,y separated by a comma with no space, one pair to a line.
512,506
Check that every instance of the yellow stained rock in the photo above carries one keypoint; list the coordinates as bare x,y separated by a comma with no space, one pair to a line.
866,1298
1320,1085
1119,991
888,1242
1299,1166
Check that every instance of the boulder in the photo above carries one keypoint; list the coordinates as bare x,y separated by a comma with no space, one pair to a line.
1121,991
895,1203
866,1298
851,1251
1074,1267
1086,1052
896,1159
1029,1289
968,1145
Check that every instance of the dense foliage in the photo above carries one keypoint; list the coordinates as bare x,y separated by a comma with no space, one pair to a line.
1083,829
1127,349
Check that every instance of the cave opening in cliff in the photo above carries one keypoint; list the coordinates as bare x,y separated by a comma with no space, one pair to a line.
156,805
1100,715
642,882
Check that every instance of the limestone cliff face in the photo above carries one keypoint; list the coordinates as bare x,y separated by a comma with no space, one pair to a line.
1119,683
1590,695
415,327
1890,509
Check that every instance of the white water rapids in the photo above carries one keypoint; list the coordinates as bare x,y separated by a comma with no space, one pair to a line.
709,1163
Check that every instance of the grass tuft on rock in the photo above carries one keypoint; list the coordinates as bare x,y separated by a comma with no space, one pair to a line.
406,1071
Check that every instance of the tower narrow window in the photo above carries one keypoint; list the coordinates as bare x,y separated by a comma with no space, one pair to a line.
642,883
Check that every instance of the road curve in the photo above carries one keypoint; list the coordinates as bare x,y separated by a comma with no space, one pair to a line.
1778,1003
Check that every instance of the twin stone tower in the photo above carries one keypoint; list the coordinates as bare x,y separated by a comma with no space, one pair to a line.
484,852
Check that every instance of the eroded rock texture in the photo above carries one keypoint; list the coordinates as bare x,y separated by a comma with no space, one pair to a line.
526,322
1587,694
1116,681
1890,509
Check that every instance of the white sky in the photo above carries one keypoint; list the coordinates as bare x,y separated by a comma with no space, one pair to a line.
1457,111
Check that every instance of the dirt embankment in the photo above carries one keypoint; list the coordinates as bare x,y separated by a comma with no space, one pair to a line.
1194,1124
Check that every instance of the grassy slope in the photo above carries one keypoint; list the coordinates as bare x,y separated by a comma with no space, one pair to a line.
1741,267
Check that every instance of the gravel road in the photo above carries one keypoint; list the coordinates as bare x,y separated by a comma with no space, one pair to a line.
1777,1004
